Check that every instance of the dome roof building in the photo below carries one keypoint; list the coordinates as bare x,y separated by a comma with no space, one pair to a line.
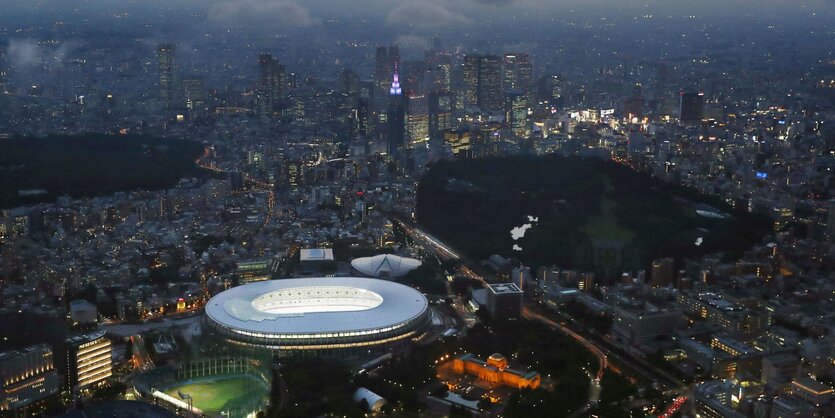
384,266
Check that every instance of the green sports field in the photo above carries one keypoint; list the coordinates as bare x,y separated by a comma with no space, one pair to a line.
212,395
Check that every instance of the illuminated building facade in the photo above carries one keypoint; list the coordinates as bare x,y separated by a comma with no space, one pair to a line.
490,83
516,113
27,377
321,315
417,119
87,362
812,391
458,140
736,320
495,371
483,82
254,271
471,63
440,114
396,116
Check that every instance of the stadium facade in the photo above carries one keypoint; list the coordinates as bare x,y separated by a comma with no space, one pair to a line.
319,315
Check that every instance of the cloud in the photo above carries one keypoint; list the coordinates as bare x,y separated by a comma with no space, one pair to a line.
412,45
24,53
425,14
494,2
282,13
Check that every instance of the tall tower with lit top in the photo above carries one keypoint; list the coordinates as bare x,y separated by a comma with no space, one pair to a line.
396,115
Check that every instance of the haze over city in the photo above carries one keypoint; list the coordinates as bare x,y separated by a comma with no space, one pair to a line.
417,208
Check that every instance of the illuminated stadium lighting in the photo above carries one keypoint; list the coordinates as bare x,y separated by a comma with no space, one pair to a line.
318,313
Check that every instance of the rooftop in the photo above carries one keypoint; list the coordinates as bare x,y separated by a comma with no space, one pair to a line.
385,265
316,254
504,288
314,305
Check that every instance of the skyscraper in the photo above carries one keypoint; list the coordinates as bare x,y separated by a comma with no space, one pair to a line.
524,74
516,113
350,81
194,91
517,72
440,114
691,107
271,79
557,86
483,81
471,64
509,72
417,118
2,70
396,115
167,64
490,83
385,61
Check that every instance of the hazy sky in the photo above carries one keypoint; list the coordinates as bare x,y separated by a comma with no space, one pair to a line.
433,13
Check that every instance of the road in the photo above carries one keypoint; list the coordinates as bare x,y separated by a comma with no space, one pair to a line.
441,250
141,359
602,360
603,348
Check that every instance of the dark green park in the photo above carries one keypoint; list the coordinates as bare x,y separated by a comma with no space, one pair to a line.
592,214
36,170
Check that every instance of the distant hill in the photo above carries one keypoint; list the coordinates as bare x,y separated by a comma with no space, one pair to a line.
34,170
587,214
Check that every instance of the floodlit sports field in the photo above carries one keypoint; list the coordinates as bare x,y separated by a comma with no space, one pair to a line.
211,395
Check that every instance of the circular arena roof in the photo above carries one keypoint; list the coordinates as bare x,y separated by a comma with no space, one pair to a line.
385,265
327,312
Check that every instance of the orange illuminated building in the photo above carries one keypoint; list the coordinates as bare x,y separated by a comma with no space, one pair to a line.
495,371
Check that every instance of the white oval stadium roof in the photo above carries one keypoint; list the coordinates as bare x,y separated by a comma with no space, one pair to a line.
385,265
316,305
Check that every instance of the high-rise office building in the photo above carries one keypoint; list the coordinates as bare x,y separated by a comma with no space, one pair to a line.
384,64
85,362
509,72
167,65
516,113
691,107
417,118
271,80
557,90
360,117
350,81
517,72
396,116
194,91
471,64
27,377
490,83
524,74
483,81
439,73
2,70
440,114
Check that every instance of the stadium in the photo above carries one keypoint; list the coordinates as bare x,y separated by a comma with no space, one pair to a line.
316,315
212,386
